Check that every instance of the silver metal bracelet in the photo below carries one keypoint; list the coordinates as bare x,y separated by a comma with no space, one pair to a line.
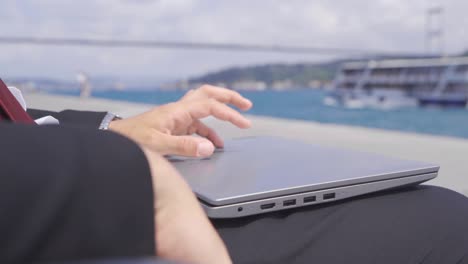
108,118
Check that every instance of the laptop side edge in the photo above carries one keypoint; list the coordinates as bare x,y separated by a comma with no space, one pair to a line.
277,203
220,201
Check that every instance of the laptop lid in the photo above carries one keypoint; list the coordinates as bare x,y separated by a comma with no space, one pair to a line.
262,167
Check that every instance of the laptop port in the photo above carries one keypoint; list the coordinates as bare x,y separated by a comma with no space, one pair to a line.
289,202
329,196
267,206
310,199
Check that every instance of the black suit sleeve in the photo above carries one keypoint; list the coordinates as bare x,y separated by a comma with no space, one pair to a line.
73,193
71,117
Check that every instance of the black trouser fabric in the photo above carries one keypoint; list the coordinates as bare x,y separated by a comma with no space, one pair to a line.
422,224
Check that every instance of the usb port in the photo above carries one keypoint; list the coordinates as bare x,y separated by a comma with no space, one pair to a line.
289,202
310,199
267,206
329,196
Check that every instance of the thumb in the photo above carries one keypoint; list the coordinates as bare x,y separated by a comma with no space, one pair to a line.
189,146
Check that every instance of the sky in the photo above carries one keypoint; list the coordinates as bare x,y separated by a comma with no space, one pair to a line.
387,25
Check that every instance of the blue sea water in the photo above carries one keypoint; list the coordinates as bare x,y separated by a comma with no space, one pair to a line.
308,105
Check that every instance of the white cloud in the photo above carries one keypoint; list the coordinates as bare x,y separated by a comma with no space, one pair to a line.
394,25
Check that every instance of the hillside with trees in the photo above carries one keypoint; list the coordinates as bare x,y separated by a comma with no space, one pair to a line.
299,74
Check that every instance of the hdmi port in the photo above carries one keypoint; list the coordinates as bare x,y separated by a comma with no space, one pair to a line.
267,206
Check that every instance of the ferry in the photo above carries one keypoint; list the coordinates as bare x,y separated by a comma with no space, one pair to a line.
394,83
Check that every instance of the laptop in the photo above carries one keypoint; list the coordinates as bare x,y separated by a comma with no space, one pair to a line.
264,174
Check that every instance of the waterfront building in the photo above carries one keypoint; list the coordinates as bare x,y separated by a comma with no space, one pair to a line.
249,85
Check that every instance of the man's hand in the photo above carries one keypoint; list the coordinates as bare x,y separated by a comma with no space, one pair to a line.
183,232
167,129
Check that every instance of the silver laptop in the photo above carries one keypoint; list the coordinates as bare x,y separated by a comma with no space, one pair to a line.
264,174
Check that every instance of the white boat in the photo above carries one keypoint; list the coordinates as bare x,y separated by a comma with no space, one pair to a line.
376,98
388,84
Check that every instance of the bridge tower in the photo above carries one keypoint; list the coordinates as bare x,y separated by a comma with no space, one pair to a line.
435,31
